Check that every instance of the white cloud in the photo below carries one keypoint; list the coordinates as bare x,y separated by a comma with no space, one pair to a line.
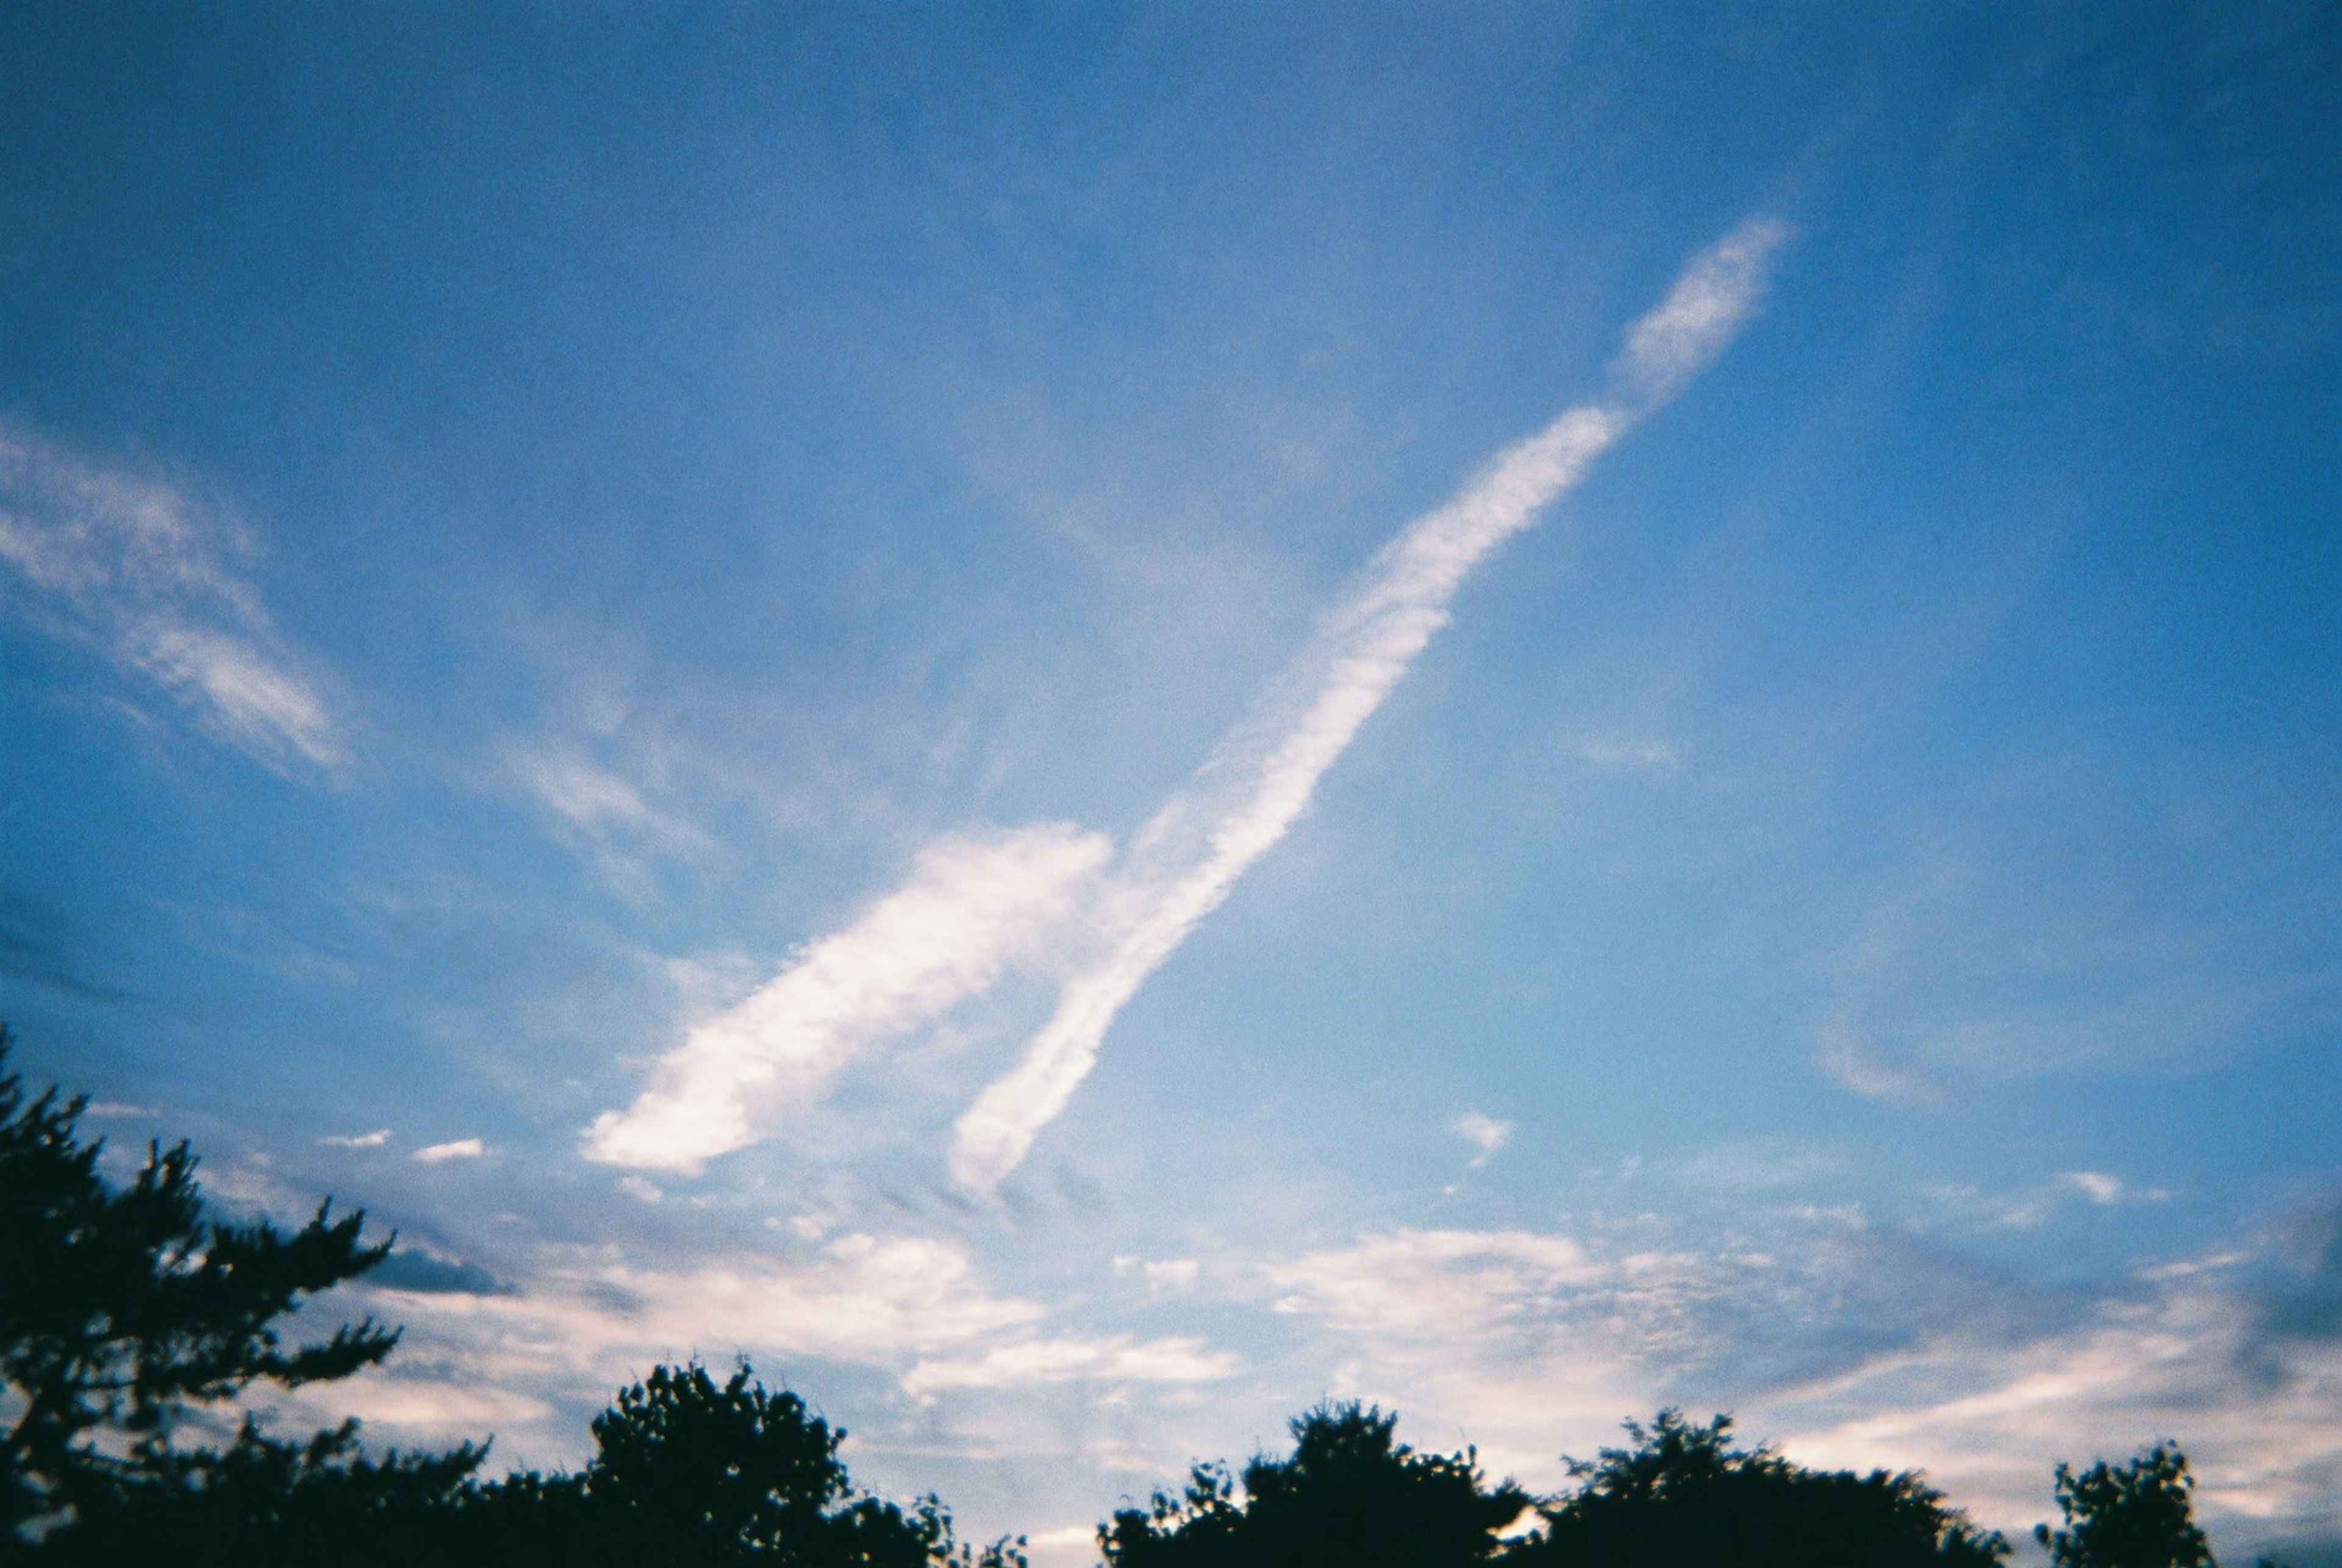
136,567
1261,778
374,1140
460,1149
119,1108
1485,1133
1116,1359
2096,1186
973,908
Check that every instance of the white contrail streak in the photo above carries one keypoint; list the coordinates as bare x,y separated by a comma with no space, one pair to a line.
1261,779
1042,900
973,909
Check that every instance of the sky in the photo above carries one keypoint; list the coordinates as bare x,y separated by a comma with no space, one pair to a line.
1081,722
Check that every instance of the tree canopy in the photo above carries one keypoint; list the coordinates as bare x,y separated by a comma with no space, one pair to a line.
1683,1497
686,1471
1350,1493
2136,1515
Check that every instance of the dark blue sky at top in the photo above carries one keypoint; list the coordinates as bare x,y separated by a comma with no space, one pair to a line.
1902,778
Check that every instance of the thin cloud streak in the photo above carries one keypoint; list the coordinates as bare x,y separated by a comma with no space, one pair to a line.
1260,781
975,908
137,568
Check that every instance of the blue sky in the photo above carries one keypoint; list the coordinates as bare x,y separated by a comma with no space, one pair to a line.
1083,722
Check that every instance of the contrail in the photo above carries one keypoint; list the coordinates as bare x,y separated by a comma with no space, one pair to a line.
1260,780
1042,899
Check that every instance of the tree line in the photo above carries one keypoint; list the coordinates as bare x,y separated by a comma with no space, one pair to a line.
130,1319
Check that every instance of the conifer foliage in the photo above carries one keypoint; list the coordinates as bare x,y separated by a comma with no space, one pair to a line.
122,1308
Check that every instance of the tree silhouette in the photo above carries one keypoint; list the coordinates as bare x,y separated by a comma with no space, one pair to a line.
1683,1497
2138,1514
686,1471
123,1308
262,1500
1350,1494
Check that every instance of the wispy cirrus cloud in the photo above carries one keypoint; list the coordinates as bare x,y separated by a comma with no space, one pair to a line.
142,571
964,917
592,799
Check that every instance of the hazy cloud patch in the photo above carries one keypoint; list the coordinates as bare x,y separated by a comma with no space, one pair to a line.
1485,1133
141,570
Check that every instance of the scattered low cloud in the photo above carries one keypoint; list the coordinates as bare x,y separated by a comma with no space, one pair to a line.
374,1140
120,1108
1485,1133
460,1149
141,570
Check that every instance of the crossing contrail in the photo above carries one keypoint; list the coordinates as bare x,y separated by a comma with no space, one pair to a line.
1047,898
